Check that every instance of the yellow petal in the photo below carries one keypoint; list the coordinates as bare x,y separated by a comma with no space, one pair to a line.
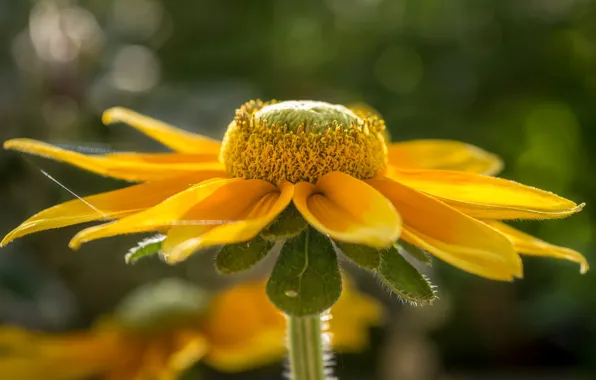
487,197
443,155
240,211
165,214
162,158
142,169
188,347
450,235
110,205
529,245
349,210
177,139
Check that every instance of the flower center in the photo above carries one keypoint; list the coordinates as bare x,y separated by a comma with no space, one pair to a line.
301,141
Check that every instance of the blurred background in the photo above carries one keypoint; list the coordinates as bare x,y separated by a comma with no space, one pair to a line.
517,78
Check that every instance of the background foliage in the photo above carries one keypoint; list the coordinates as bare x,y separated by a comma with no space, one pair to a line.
515,77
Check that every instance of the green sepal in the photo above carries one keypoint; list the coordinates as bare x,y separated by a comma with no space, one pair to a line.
403,279
288,224
144,248
306,278
413,251
361,255
239,257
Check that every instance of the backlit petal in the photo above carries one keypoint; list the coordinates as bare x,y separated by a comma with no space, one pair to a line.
163,215
529,245
110,205
450,235
443,155
143,168
348,210
487,197
177,139
239,210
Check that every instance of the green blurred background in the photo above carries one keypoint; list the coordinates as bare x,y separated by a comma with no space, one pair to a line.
515,77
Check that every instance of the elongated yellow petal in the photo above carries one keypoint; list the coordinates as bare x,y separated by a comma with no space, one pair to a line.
529,245
110,205
162,158
349,210
177,139
450,235
109,165
443,155
240,211
463,259
164,215
487,197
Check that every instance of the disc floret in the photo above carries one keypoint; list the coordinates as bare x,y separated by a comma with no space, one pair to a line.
301,141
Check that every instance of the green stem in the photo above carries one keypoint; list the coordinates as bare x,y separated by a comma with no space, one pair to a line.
305,346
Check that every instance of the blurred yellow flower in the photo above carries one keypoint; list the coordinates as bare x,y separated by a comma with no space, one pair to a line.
333,164
241,330
106,350
245,330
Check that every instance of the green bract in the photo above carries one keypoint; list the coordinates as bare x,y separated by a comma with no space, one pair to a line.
144,248
403,279
236,258
306,278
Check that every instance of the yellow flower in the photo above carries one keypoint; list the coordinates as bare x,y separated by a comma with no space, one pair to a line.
241,330
333,164
246,331
107,350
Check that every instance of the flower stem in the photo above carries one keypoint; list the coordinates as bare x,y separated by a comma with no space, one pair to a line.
305,346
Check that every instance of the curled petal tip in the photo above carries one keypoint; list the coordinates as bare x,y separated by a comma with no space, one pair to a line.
10,237
584,267
110,115
10,144
75,243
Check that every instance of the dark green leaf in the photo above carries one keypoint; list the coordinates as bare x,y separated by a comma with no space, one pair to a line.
306,278
403,279
236,258
366,257
147,247
288,224
416,252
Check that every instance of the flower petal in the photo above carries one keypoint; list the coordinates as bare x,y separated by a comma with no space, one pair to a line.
486,197
142,168
110,205
165,214
348,210
188,347
450,235
162,158
443,155
529,245
177,139
242,208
